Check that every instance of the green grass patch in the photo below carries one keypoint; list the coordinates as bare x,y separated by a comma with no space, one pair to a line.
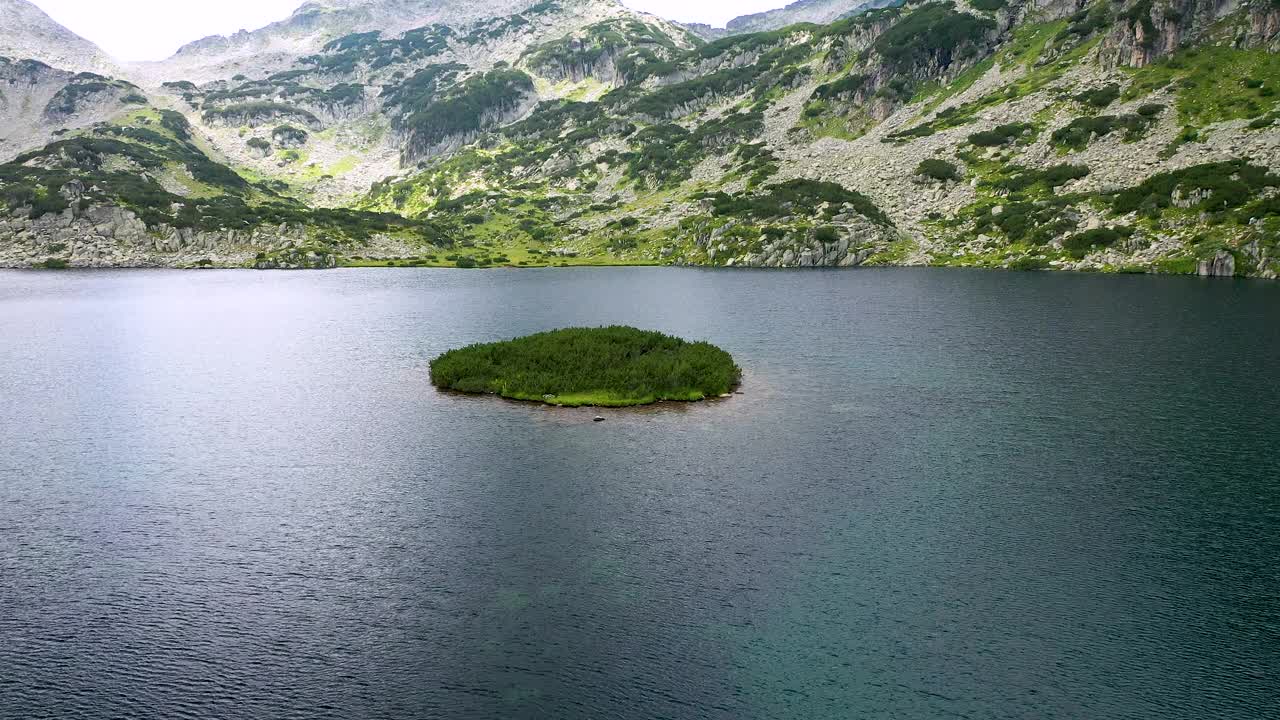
1177,266
963,82
344,165
896,254
1214,83
1029,43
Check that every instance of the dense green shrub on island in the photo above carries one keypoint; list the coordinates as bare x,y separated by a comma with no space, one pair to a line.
1029,264
608,366
826,234
1033,223
666,153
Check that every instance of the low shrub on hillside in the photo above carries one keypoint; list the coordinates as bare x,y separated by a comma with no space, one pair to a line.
796,198
999,135
1212,187
938,169
1082,243
1080,132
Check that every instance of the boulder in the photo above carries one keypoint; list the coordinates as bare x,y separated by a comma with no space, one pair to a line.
1223,264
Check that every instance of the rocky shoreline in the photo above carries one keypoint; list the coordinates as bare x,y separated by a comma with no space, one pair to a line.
112,237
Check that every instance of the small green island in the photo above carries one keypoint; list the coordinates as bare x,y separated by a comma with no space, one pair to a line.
602,367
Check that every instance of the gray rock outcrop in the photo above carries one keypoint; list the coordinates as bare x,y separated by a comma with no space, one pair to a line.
1223,264
108,236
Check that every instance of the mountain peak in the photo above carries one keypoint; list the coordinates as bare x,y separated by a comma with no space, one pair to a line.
27,32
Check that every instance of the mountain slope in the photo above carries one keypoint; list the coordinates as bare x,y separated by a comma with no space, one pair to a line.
366,104
318,22
819,12
40,102
1097,136
1017,136
27,33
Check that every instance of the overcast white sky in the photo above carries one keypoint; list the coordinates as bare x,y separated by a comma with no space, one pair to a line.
154,29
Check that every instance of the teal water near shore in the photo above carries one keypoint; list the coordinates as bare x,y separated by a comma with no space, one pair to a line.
943,493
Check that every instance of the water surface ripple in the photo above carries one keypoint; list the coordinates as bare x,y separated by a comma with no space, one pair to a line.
943,494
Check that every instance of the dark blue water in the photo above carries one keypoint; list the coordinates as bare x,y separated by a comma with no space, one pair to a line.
943,494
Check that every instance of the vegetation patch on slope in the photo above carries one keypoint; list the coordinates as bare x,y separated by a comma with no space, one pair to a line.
797,197
1214,83
634,48
122,165
935,33
470,107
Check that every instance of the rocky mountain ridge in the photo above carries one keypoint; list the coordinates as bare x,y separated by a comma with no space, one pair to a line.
1124,137
316,22
817,12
